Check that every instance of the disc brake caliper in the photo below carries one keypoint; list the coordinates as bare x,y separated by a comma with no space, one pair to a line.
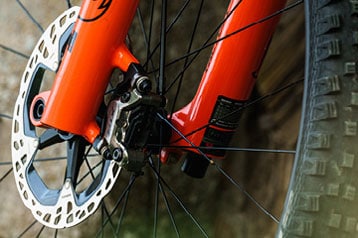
129,123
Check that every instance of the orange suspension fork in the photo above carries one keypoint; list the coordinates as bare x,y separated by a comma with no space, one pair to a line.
229,77
96,47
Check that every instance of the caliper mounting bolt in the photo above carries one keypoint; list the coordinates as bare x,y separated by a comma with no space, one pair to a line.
117,154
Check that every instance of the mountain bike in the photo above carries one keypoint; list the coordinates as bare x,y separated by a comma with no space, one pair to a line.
95,106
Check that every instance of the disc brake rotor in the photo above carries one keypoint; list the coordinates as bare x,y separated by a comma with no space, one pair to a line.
64,206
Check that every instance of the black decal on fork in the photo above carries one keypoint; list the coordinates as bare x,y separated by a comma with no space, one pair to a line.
101,10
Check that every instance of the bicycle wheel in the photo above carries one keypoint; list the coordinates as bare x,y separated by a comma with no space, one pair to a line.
130,223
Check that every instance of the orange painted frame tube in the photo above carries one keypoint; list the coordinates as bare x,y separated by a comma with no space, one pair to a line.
97,46
230,74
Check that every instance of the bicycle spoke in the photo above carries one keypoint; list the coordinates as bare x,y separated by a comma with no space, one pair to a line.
50,159
16,53
119,201
41,230
250,103
212,162
37,24
179,201
123,210
28,228
147,39
109,218
5,163
169,210
156,200
90,172
206,45
150,34
102,222
6,174
180,80
166,201
188,54
247,194
176,18
163,45
236,149
69,4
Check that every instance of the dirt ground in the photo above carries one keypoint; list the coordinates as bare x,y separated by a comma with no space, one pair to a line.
270,124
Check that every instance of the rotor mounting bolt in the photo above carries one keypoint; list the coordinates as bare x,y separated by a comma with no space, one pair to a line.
67,184
55,65
35,143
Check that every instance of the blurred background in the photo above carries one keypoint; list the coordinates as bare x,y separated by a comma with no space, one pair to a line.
223,210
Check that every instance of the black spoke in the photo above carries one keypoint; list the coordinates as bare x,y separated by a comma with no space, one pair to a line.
176,18
206,45
212,162
105,213
249,104
6,174
37,24
163,47
180,79
41,230
69,4
37,160
16,53
102,226
28,228
156,200
197,52
179,201
5,163
165,198
90,172
150,34
123,210
147,39
5,116
236,149
119,201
